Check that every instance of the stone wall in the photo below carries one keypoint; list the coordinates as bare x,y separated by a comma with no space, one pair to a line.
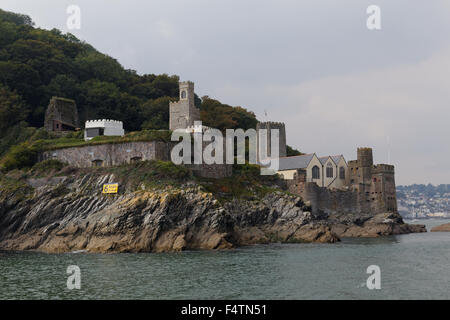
110,154
376,196
129,152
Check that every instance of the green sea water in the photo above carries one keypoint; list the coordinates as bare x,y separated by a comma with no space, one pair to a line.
414,266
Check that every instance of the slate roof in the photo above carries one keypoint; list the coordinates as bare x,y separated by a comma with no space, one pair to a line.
295,162
337,158
323,160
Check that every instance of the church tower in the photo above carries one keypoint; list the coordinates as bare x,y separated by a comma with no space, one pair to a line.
184,113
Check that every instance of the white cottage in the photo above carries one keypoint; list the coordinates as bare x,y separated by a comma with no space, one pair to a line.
95,128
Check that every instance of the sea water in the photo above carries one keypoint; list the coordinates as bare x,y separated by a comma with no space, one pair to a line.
413,266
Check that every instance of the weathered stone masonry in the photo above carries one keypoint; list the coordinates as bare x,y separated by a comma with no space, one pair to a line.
371,188
129,152
110,154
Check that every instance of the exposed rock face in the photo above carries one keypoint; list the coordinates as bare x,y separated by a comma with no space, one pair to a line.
381,224
441,228
69,214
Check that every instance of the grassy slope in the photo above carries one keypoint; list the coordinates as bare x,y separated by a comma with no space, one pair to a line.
246,182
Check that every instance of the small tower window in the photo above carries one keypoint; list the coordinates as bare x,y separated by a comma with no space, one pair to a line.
183,94
315,172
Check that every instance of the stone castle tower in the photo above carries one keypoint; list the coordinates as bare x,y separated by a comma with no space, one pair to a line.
375,183
365,162
61,115
183,113
282,137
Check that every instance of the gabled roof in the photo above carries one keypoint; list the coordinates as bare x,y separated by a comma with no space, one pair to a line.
323,160
337,158
295,162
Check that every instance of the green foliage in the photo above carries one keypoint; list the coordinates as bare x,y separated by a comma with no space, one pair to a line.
76,139
157,113
153,173
246,182
15,18
14,186
11,106
20,156
36,64
221,116
290,152
48,165
24,155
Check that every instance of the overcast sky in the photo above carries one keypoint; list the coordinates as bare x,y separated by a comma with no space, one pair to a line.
311,64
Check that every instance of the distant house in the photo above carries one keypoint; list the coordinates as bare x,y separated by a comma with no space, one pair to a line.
95,128
61,115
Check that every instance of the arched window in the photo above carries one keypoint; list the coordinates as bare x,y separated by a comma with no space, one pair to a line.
330,172
315,172
183,94
342,173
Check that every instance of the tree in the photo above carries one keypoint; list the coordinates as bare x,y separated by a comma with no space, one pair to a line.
12,108
156,113
221,116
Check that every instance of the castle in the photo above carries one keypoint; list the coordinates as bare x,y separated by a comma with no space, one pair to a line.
329,183
184,113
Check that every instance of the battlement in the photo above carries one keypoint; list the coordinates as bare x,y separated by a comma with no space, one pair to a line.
186,84
103,127
104,123
271,124
383,168
197,127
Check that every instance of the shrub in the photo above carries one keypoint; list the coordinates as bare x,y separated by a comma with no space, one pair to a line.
21,156
48,165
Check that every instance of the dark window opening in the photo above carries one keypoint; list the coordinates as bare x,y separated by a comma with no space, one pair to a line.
97,163
95,132
330,172
315,172
135,159
342,173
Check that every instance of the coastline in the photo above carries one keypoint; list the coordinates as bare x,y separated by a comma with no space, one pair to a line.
67,213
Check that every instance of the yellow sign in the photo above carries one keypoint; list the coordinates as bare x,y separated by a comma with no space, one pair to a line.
110,188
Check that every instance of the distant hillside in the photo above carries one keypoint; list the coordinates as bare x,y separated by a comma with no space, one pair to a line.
422,201
425,189
36,64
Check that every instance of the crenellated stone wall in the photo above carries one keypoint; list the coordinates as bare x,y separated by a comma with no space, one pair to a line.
372,190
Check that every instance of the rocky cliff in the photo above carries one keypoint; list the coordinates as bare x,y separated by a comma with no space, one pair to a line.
67,212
